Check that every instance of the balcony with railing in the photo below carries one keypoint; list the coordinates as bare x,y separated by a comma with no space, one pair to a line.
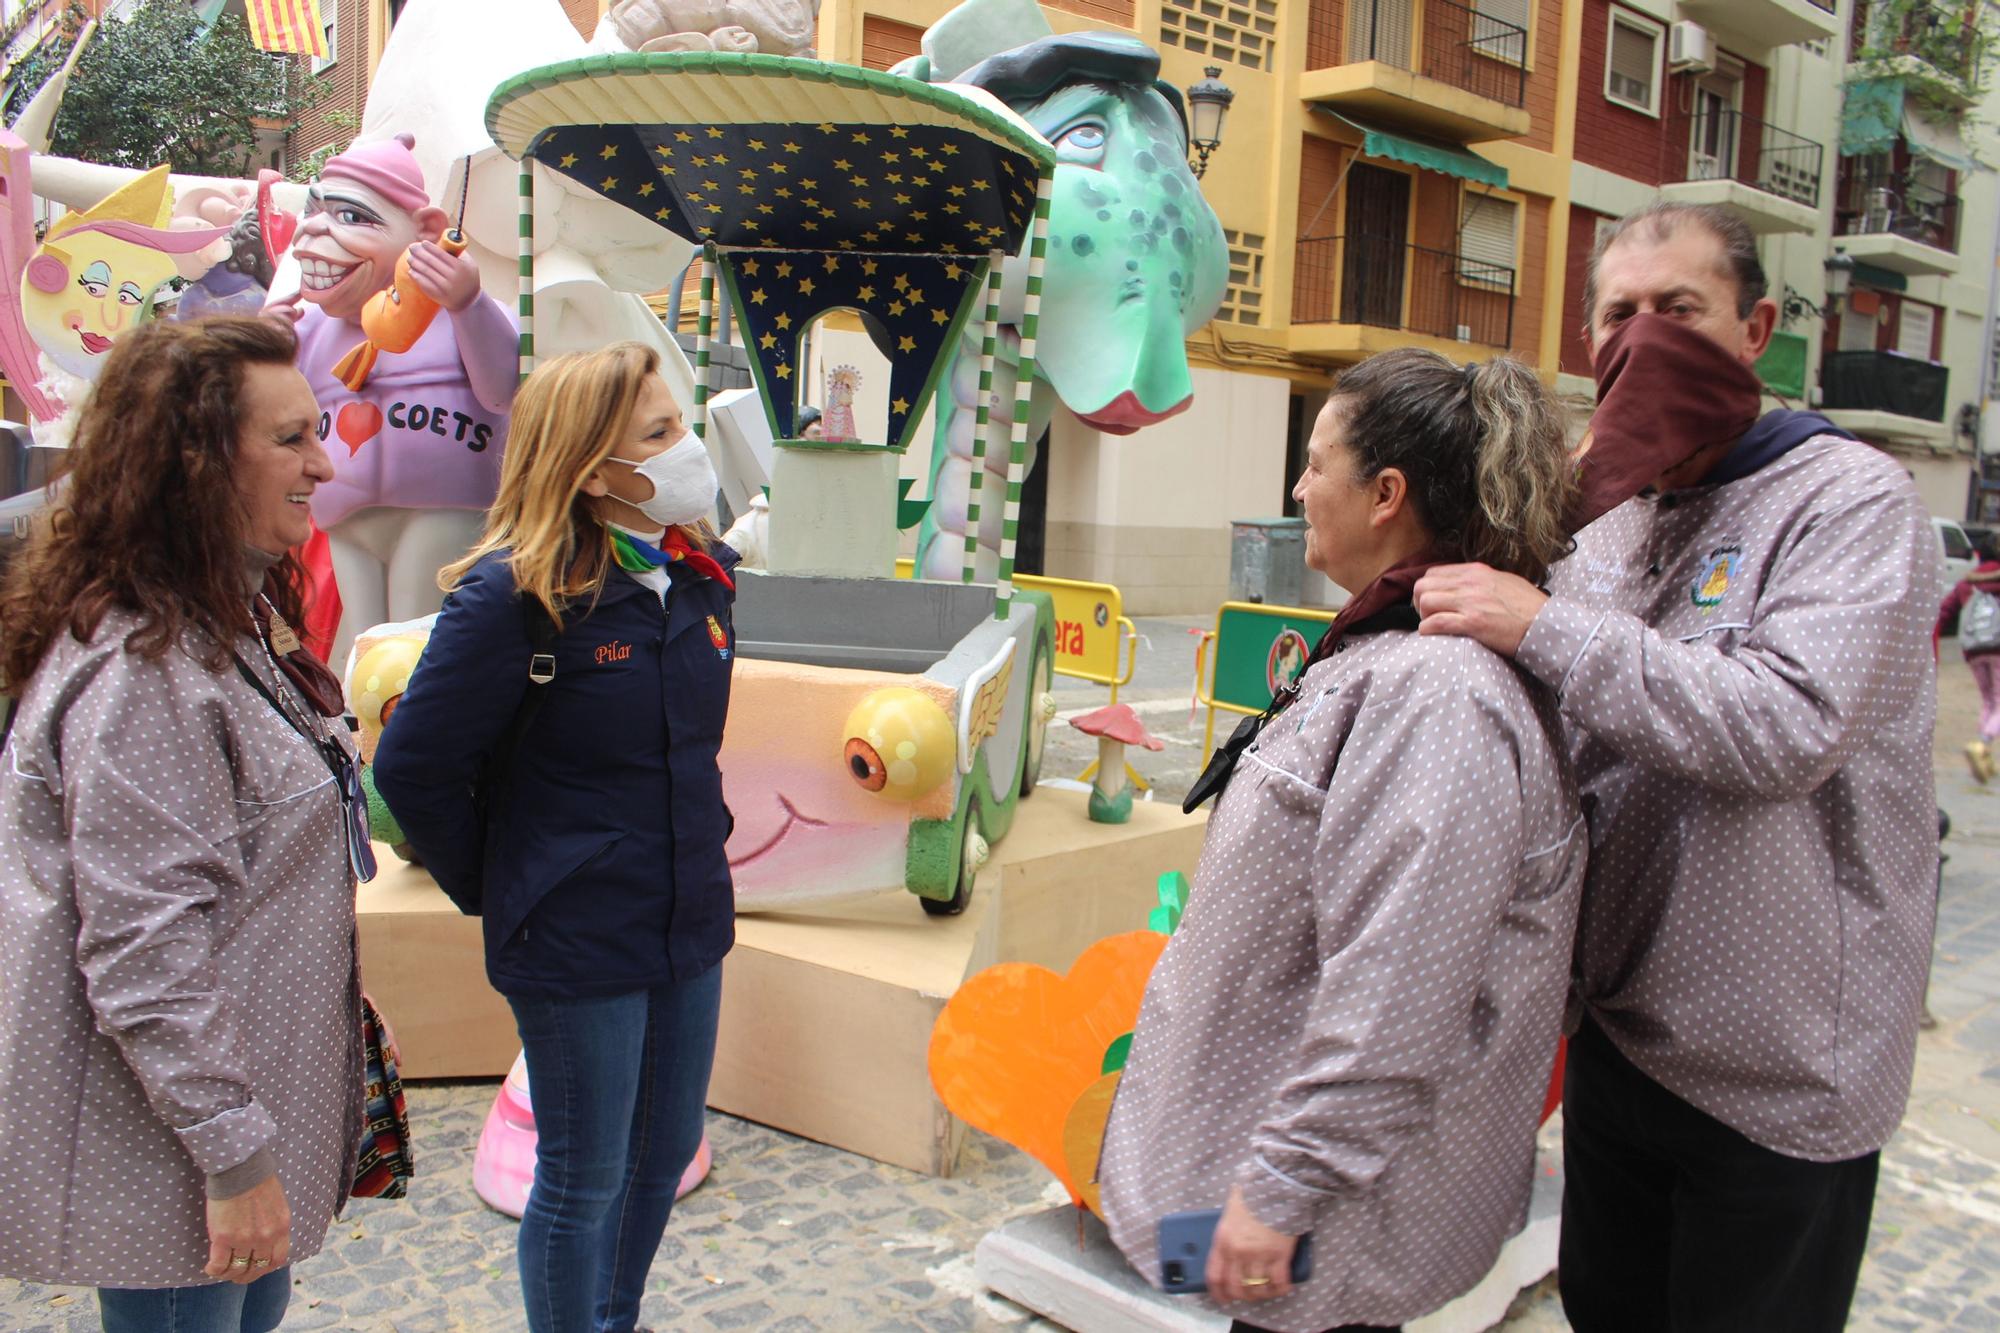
1886,396
1765,23
1435,67
1932,42
1353,296
1896,220
1769,176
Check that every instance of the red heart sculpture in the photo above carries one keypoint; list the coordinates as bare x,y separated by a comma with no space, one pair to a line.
358,423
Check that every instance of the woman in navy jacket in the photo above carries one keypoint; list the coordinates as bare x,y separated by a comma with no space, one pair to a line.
553,763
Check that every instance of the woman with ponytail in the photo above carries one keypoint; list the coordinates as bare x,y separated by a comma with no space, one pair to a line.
553,763
1351,1033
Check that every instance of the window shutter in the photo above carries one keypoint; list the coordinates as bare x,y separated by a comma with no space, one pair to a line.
1914,328
1486,238
1632,64
1491,39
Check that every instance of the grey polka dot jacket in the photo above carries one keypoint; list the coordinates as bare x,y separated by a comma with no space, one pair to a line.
178,993
1356,1020
1746,674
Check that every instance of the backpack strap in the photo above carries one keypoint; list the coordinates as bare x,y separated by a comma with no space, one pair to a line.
542,637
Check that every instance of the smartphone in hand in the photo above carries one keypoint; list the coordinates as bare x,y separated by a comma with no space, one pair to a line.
1184,1242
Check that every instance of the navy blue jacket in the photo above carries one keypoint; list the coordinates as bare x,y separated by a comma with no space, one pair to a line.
602,868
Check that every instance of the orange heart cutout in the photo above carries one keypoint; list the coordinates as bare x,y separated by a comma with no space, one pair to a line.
358,423
1017,1045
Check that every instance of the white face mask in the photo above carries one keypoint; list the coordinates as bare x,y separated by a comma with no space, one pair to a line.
683,483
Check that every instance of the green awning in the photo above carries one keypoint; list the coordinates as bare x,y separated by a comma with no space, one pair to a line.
1881,279
210,11
1418,150
1871,117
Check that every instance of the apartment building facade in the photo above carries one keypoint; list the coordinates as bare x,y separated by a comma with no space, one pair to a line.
1836,133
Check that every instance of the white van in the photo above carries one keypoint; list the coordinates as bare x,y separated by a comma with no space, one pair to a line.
1959,557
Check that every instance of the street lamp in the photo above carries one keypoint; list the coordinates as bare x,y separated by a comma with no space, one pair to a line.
1839,275
1839,268
1208,109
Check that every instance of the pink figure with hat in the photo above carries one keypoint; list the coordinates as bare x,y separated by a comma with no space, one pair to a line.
416,449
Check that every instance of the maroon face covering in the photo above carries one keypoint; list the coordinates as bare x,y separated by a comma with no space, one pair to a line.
1664,394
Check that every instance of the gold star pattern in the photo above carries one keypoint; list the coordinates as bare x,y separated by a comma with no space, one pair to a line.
809,224
896,307
791,147
667,170
892,157
666,213
757,296
783,321
940,316
645,188
710,185
868,267
699,161
808,185
832,263
665,150
719,160
900,407
766,208
608,184
914,297
866,293
806,286
918,152
897,131
861,136
906,344
784,269
714,133
756,145
955,191
953,271
903,200
569,159
902,282
768,342
682,136
948,149
749,268
784,371
825,128
894,178
608,152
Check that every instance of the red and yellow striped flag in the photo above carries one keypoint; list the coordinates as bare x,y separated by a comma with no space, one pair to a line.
287,25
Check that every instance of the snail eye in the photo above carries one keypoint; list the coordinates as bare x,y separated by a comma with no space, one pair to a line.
865,766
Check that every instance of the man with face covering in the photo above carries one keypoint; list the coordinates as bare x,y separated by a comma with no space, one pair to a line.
1744,669
416,450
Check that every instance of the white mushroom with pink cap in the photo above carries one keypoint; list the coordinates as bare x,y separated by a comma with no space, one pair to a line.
1115,726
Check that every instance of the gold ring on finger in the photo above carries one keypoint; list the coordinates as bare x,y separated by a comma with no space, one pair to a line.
244,1262
260,1263
1256,1282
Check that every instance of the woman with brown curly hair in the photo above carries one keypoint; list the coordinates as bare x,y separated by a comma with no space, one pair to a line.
180,1064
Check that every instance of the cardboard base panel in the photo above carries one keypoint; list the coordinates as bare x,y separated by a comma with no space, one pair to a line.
826,1011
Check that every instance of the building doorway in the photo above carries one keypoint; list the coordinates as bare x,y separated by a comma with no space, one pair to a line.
1371,271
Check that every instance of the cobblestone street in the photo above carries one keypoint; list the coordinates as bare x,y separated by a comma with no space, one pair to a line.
789,1235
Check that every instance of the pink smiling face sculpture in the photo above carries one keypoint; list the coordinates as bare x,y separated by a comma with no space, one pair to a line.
807,824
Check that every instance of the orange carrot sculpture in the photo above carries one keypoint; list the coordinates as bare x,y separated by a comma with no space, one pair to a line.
394,318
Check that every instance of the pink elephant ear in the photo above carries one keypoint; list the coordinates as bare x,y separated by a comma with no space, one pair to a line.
47,274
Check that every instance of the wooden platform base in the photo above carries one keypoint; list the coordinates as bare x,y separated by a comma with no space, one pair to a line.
826,1012
1035,1261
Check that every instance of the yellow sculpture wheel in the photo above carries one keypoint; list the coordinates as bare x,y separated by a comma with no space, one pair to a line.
380,676
899,744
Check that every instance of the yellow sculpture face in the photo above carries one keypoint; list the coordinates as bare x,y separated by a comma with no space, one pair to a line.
85,289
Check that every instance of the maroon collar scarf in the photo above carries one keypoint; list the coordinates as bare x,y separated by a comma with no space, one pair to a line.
1664,394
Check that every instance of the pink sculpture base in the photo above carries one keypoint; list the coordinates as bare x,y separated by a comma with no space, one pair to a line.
503,1168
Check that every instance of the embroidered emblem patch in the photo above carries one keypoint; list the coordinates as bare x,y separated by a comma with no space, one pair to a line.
1713,581
719,637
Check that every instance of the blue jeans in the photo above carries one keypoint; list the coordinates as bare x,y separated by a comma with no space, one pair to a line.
223,1307
619,1084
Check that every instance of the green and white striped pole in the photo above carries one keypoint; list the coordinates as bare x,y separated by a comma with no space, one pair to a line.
988,350
527,226
704,326
1024,391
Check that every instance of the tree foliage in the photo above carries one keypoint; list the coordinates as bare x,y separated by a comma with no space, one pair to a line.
160,87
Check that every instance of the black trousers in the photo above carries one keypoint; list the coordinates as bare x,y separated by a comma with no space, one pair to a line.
1675,1223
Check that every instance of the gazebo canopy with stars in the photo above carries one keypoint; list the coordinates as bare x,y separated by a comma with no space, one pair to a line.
811,187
